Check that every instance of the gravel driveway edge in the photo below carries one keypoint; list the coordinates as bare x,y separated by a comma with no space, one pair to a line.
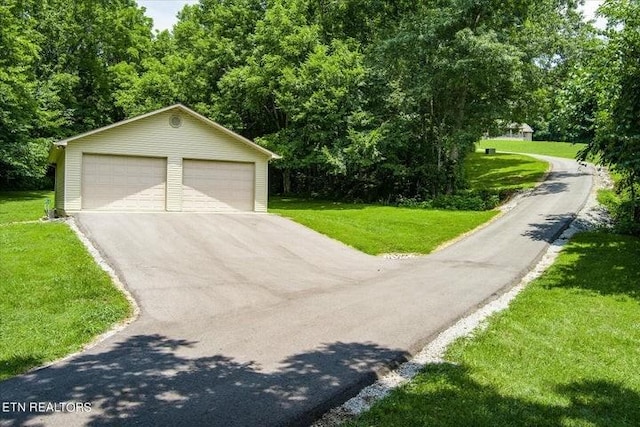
591,216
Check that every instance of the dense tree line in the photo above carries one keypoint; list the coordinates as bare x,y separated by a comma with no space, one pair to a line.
57,76
605,90
367,99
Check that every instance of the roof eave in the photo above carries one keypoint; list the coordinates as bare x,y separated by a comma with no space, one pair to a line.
54,153
229,132
251,144
116,124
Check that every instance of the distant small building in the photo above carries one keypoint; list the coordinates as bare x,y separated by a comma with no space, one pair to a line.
519,131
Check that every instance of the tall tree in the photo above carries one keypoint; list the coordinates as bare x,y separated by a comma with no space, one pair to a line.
366,98
616,77
21,157
56,73
556,42
81,42
157,81
575,102
296,94
449,76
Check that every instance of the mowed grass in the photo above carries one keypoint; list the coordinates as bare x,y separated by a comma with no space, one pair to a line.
546,148
376,229
54,298
566,353
502,171
16,206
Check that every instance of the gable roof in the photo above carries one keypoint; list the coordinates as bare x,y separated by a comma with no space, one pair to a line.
63,143
526,128
521,127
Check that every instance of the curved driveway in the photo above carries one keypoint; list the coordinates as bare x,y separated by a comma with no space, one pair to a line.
255,320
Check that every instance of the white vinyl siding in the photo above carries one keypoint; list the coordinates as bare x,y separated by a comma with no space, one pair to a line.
153,136
123,183
59,184
262,185
174,180
214,186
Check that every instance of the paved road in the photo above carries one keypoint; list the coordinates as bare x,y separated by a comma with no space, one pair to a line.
255,320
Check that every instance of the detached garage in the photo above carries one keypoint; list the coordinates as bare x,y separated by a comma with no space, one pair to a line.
172,159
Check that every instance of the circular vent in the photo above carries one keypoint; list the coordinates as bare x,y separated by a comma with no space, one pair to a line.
175,121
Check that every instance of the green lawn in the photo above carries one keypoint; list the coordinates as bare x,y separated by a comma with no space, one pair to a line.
566,353
23,205
503,171
54,298
547,148
375,229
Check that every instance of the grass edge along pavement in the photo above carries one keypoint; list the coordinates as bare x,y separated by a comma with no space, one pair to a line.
18,208
54,306
379,229
592,354
564,353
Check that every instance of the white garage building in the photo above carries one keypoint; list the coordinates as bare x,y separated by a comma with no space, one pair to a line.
172,159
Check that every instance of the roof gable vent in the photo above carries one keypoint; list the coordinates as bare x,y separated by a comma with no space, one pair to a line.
175,121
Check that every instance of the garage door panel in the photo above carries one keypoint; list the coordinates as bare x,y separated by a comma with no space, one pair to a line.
123,183
214,186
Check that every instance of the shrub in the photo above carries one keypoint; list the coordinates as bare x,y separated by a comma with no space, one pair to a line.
623,210
468,200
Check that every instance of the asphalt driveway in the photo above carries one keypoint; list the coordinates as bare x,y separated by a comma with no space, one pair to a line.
255,320
191,267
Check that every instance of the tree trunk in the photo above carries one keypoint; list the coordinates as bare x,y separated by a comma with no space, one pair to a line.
635,203
286,181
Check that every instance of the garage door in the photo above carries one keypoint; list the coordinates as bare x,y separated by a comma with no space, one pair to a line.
211,186
123,183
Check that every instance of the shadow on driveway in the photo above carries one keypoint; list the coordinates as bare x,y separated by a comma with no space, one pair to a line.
550,228
144,381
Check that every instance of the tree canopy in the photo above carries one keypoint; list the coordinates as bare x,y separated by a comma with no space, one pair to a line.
56,74
611,83
364,99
